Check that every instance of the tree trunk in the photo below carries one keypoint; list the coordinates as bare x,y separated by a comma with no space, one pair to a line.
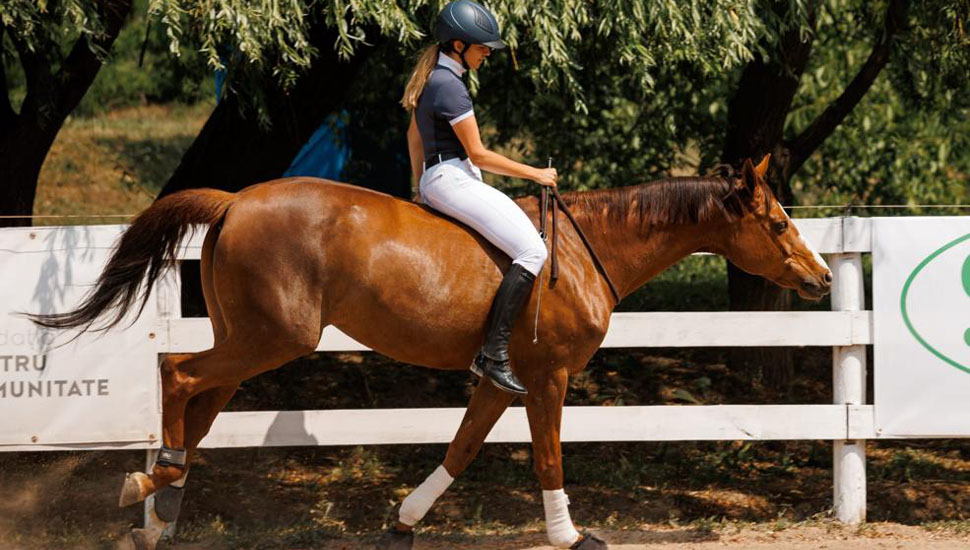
233,151
26,137
23,149
756,120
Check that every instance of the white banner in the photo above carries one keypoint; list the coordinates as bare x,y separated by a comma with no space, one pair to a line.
100,388
921,295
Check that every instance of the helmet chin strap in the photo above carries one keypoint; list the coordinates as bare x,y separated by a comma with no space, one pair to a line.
461,55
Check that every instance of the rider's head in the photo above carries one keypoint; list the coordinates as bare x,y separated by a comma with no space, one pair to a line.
469,30
464,29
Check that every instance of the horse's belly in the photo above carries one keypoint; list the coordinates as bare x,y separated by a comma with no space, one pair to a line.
415,341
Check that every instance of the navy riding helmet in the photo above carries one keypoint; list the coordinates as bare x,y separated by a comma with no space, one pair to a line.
469,22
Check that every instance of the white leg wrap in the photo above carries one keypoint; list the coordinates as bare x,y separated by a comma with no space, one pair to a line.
417,504
559,526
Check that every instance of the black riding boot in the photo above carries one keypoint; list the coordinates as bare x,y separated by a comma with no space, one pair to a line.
493,359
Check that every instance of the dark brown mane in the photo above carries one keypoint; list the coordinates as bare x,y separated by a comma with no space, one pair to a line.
663,202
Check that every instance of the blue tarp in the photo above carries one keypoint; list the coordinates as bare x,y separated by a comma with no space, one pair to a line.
327,151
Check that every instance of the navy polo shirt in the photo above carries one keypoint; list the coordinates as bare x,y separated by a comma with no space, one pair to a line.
444,102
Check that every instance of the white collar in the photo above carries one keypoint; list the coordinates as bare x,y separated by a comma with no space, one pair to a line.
450,63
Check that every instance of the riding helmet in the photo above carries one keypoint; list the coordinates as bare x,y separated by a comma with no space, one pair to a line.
469,22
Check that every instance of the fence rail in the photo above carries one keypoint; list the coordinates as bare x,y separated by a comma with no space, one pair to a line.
848,421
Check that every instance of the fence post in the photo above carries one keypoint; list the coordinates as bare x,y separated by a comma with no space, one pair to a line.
168,293
849,388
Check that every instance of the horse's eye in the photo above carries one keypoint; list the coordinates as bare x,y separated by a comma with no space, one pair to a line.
781,227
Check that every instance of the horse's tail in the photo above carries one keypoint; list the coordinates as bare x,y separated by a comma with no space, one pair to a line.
144,249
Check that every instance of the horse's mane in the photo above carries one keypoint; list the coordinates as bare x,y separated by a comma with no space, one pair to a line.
685,200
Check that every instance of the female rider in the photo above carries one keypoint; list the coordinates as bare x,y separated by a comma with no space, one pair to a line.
446,153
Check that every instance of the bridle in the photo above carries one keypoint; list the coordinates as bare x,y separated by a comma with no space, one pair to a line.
554,273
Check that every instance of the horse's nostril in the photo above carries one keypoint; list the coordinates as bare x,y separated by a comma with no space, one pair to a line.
827,277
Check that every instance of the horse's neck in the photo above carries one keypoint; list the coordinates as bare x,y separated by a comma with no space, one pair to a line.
633,255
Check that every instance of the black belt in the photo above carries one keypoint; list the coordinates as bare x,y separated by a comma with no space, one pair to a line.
441,157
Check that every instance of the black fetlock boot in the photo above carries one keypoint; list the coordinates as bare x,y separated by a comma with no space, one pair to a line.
493,359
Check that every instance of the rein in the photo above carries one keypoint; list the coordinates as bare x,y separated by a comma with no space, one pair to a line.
554,274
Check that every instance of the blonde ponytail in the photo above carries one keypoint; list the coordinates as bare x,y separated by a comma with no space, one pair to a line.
422,70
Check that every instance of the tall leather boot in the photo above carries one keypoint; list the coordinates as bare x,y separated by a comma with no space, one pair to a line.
493,359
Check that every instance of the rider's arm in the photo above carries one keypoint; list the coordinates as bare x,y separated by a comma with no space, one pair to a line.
416,152
471,140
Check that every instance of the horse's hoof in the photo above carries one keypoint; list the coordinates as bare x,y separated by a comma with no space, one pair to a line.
139,539
589,542
135,489
144,539
393,539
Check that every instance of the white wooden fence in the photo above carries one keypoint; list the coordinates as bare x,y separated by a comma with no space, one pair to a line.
848,421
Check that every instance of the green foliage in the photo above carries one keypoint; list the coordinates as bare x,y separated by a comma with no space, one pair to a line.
40,23
908,141
128,77
272,37
615,91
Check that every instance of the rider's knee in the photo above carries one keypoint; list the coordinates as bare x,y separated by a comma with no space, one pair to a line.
533,258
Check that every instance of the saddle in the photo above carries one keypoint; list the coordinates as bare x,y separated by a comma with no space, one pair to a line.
554,268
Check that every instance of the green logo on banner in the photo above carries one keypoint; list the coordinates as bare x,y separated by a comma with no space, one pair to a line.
965,278
965,275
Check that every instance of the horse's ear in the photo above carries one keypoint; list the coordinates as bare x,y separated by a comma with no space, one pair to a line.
749,176
762,167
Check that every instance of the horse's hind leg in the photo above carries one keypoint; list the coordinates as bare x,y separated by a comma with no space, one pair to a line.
202,409
186,376
258,334
200,413
484,409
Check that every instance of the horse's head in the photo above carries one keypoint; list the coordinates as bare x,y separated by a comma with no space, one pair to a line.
765,242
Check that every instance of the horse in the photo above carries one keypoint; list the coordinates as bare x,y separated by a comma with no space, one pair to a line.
281,260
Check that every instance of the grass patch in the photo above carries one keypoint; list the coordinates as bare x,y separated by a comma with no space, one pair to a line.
114,163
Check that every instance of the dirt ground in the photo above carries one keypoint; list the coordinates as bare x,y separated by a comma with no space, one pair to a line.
872,536
686,495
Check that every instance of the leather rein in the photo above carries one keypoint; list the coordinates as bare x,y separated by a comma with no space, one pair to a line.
554,274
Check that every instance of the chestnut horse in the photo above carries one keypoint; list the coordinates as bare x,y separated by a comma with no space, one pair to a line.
284,259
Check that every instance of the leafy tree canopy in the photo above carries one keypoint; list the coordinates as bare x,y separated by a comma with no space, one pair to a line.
273,35
618,91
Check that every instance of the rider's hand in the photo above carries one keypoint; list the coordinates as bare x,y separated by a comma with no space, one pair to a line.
546,176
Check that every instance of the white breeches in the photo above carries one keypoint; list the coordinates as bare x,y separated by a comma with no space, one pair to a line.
455,188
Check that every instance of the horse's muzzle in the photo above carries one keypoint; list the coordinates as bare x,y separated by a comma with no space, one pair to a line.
816,288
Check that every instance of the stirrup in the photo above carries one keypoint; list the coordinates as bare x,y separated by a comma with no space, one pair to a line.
502,378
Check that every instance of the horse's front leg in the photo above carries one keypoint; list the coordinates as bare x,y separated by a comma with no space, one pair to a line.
484,409
547,392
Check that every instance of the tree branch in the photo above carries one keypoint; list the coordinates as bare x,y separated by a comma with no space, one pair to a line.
83,63
37,74
822,127
7,114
